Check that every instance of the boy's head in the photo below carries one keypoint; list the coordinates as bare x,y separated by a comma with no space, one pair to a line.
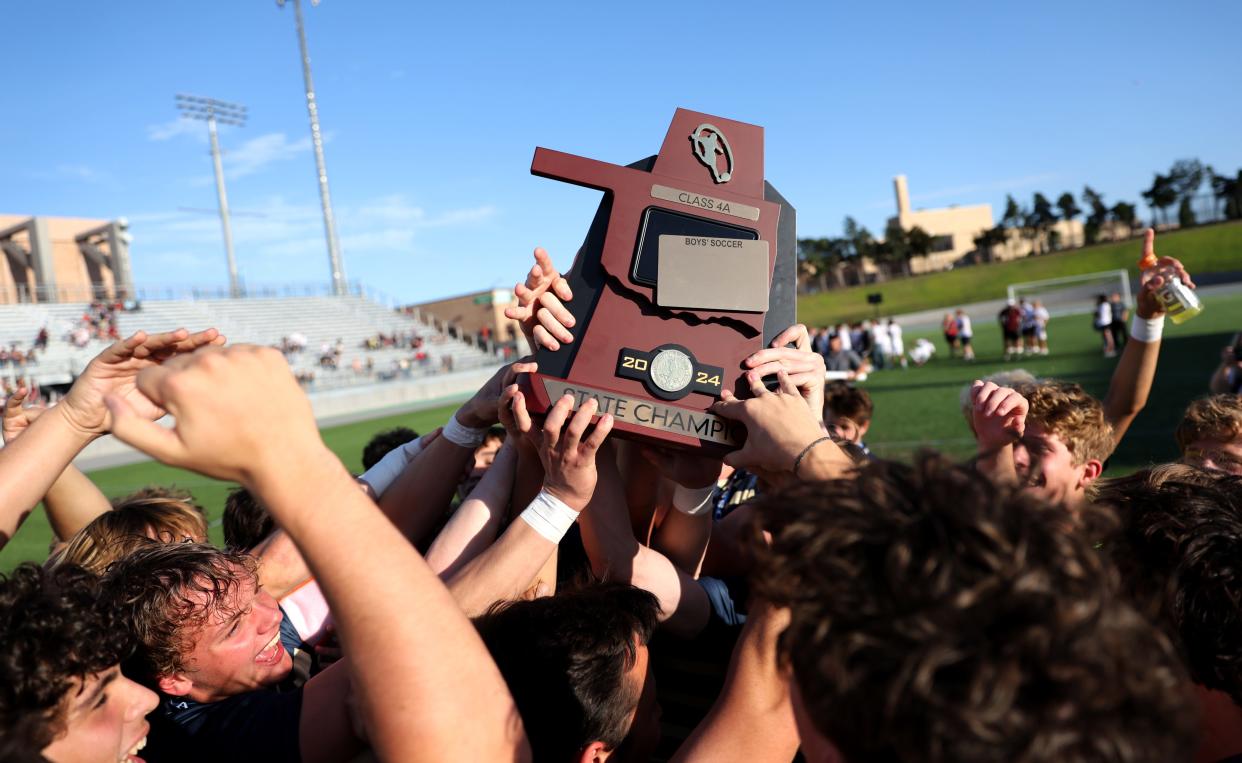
1065,444
847,411
62,694
133,522
383,442
577,666
205,628
1178,552
1210,434
246,522
935,616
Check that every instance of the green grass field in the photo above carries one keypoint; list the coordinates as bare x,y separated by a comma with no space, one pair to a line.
914,408
1211,249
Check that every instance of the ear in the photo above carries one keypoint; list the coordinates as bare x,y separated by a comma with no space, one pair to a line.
1090,472
175,684
862,429
595,752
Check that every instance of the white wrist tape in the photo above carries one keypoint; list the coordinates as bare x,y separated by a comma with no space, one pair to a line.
1146,329
692,500
462,436
549,516
381,476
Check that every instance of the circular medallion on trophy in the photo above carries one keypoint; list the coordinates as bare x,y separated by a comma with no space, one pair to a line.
672,370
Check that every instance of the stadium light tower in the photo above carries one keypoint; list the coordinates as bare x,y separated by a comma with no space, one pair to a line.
325,196
212,111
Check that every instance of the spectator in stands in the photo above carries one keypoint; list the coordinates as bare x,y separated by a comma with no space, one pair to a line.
1210,433
936,617
41,338
578,667
1227,378
1103,323
965,333
847,413
384,442
63,697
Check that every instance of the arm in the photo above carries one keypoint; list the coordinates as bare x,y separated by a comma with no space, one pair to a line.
415,677
616,555
507,568
755,697
474,525
1132,379
30,465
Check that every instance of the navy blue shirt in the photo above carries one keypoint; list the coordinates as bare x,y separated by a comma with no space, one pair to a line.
257,725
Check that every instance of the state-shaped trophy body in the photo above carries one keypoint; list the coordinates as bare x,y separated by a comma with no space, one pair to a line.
688,268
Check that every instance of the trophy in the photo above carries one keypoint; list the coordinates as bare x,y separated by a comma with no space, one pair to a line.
688,268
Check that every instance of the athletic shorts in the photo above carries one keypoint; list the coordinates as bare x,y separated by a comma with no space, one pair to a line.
950,339
1028,331
965,340
1010,336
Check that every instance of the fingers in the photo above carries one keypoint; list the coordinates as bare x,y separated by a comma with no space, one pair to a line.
560,287
728,408
786,384
602,429
164,340
757,387
127,426
796,335
14,403
578,425
557,309
555,419
523,366
1149,243
544,339
552,324
504,409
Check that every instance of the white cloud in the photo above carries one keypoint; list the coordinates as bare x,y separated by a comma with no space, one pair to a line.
257,153
991,186
177,127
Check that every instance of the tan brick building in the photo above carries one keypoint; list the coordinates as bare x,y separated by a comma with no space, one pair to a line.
64,259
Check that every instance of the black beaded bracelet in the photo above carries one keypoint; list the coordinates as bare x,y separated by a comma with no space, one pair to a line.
807,449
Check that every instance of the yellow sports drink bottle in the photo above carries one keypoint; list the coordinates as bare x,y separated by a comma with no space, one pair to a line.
1179,300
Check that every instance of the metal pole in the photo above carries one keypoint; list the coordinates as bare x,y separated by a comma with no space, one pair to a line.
325,196
223,198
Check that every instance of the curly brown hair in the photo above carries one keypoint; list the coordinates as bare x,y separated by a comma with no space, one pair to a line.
1216,417
162,590
132,523
846,401
1178,552
54,628
1066,410
938,617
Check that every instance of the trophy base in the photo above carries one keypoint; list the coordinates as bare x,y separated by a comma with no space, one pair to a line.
648,420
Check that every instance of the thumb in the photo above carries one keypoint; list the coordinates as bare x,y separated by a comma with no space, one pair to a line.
145,435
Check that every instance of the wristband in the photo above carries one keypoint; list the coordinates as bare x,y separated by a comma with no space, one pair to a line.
692,500
1146,329
463,436
549,516
386,471
807,449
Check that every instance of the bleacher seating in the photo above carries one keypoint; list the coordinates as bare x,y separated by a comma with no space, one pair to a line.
322,320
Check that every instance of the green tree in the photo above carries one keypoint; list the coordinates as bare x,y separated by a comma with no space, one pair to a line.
1125,213
1014,218
918,243
1042,219
1228,193
988,241
1069,210
1186,175
1097,215
1186,213
1161,195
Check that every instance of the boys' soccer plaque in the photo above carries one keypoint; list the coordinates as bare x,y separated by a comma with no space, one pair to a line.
687,269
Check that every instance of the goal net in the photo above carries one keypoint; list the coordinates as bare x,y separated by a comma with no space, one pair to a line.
1074,294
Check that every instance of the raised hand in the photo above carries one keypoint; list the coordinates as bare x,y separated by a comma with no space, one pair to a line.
240,414
804,366
568,458
778,426
17,418
1154,278
480,410
114,372
544,320
998,415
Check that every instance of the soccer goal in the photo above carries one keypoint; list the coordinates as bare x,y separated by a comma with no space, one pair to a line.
1074,294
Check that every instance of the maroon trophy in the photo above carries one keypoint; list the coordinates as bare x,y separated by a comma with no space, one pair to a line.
687,269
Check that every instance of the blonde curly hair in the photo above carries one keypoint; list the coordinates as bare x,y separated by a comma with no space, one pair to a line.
1066,410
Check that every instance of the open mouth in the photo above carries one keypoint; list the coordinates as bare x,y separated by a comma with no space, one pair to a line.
132,755
271,653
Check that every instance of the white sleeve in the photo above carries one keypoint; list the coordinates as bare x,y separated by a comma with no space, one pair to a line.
381,476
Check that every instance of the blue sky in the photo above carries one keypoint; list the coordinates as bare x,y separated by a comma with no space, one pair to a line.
432,112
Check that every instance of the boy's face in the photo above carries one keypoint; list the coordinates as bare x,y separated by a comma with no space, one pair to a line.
237,650
1046,466
105,720
1214,454
846,429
